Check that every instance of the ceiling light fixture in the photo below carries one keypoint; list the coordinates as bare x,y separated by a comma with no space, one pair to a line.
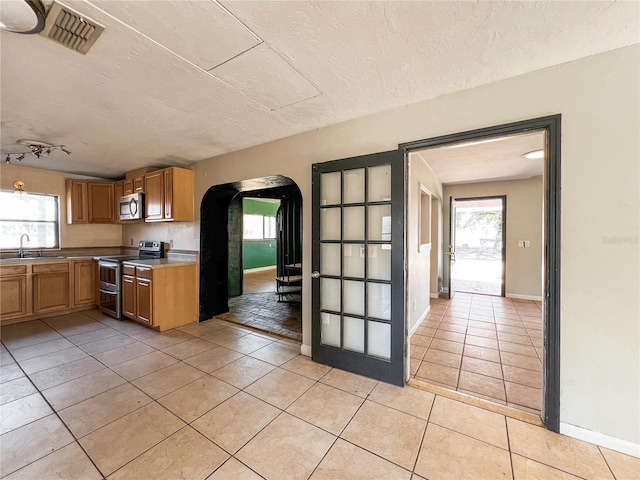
534,154
22,16
19,186
36,148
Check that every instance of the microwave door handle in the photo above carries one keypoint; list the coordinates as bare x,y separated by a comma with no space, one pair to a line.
133,207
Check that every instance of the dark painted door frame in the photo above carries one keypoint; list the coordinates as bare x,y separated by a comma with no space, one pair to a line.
503,235
551,295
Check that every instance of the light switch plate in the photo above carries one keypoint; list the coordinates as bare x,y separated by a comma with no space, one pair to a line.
521,243
527,243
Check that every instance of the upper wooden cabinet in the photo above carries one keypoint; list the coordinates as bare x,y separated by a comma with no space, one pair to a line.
90,202
101,202
134,185
118,191
77,207
169,195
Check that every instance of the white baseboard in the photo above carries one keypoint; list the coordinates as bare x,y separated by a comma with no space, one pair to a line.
260,269
523,297
305,350
612,443
419,322
434,295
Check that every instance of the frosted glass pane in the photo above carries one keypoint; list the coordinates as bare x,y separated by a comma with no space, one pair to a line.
379,339
330,224
330,294
380,183
353,261
330,188
354,186
353,334
330,259
330,332
353,297
379,262
379,300
380,222
353,223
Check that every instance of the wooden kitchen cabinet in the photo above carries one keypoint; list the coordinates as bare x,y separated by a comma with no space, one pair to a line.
83,282
160,297
118,191
144,301
50,287
134,185
77,204
169,195
129,296
13,291
101,202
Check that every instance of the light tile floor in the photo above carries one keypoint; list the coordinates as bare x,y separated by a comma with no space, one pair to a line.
489,347
85,396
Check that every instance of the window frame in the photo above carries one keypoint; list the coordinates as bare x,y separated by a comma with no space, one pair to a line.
56,222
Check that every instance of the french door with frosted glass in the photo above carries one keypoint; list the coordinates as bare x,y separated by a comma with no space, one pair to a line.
358,265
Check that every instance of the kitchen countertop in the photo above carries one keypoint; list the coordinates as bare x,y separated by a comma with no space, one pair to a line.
159,262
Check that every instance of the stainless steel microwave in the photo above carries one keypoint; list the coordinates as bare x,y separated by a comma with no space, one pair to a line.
132,207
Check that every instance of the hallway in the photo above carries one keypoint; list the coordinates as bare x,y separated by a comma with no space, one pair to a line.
484,346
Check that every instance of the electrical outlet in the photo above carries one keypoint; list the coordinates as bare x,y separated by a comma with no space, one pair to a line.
527,243
521,243
171,243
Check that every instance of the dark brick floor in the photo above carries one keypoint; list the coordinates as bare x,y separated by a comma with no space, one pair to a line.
263,312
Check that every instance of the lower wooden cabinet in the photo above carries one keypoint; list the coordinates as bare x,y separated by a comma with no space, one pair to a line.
161,298
13,296
39,288
50,291
129,296
144,300
83,282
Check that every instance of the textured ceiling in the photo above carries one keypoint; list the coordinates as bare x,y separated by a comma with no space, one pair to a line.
494,159
174,82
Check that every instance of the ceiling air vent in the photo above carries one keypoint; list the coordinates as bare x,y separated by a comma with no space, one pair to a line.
70,28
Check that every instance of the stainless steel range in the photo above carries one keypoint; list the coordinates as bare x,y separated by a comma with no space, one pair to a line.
110,275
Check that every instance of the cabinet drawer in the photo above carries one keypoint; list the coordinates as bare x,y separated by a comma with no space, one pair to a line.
13,270
51,267
128,270
142,272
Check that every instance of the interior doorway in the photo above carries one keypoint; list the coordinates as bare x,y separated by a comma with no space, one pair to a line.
249,232
479,247
470,343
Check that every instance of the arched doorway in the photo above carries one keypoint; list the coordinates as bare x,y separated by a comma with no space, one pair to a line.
221,256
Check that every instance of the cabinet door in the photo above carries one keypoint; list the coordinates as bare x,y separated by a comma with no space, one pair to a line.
129,296
77,209
154,198
144,300
138,185
50,291
84,282
13,296
101,202
118,191
128,187
168,193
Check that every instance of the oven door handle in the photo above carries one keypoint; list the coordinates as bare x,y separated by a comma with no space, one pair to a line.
108,292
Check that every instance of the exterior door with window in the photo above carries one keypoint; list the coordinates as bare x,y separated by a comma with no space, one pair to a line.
358,265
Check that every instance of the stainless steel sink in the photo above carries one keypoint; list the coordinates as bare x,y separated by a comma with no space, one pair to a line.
29,259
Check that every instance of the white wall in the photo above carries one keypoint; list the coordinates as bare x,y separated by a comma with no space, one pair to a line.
600,288
47,181
524,222
419,259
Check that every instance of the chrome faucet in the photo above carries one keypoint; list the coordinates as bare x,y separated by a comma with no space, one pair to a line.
21,251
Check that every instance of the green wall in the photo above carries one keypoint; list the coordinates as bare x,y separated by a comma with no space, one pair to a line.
258,253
